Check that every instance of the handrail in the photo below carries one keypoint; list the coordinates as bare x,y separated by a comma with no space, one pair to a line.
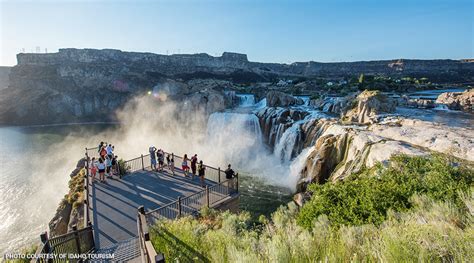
77,241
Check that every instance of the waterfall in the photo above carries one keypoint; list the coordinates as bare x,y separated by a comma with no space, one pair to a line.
285,147
246,100
261,104
224,127
442,107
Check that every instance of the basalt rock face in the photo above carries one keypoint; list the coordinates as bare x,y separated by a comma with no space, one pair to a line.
341,150
367,106
458,100
76,85
280,99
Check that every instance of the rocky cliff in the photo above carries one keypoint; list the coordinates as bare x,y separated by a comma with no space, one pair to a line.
337,148
88,85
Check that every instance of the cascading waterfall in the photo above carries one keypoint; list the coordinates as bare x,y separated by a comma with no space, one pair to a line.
246,100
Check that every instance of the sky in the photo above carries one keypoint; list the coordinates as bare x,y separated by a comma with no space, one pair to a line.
267,31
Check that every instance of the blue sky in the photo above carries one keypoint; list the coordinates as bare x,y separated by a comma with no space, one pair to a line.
267,31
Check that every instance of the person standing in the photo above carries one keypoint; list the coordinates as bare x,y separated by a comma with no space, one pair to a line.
194,160
201,173
152,151
101,168
185,166
114,165
161,159
229,174
110,151
168,161
108,166
172,163
93,169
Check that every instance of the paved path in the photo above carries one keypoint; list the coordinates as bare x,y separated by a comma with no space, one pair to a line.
114,204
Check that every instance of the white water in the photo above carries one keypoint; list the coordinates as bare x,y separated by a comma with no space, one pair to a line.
246,100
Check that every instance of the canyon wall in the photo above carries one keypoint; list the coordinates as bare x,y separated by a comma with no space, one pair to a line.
75,85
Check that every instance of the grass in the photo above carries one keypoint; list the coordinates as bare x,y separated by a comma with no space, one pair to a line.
424,214
76,187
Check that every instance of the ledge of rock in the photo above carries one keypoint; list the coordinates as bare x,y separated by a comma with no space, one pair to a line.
458,100
367,106
280,99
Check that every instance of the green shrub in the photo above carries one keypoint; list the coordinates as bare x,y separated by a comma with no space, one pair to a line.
365,198
123,167
418,209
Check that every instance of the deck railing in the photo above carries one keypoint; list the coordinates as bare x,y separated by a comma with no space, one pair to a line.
183,206
76,242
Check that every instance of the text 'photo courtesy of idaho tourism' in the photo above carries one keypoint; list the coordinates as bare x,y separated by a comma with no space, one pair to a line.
237,131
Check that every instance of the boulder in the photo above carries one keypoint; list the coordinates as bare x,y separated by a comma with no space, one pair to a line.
367,106
458,100
421,103
280,99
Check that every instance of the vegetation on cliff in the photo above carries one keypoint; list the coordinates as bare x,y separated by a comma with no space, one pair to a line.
366,197
425,215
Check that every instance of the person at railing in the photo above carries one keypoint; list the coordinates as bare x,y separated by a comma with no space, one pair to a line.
161,159
185,166
172,163
152,151
115,165
93,168
229,174
101,167
103,152
100,147
194,160
201,172
110,151
108,166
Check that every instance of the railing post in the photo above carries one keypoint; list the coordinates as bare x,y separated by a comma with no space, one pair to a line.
219,173
45,241
237,184
143,164
86,188
207,196
76,237
179,207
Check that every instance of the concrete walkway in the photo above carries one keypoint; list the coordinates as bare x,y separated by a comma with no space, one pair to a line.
114,204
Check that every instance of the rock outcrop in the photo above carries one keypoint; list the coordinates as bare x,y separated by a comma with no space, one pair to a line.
367,106
280,99
70,211
458,100
76,85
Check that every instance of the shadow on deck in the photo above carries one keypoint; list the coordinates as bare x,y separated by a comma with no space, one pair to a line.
114,204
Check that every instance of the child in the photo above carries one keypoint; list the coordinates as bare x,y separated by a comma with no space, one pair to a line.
93,168
185,166
108,164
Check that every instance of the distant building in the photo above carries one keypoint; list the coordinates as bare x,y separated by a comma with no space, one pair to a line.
330,83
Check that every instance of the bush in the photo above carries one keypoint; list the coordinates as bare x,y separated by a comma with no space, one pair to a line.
419,209
430,232
123,167
365,198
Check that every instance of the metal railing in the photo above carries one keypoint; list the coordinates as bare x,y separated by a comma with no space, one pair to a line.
183,206
76,242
